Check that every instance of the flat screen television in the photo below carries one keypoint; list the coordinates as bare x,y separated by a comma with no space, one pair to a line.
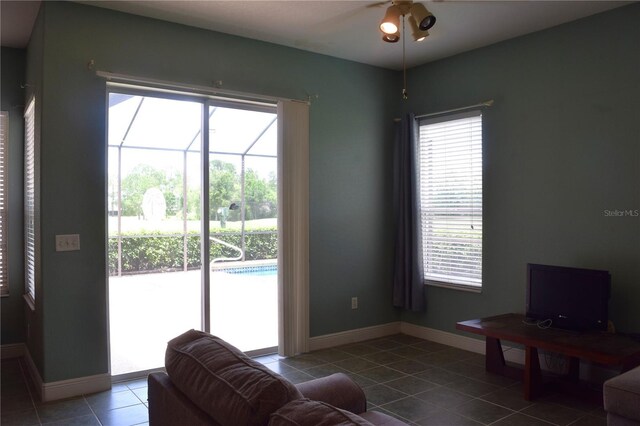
572,298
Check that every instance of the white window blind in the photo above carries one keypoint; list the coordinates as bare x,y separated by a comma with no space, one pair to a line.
450,185
4,145
30,201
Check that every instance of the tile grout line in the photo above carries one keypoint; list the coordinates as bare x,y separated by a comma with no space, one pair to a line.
428,366
440,367
92,410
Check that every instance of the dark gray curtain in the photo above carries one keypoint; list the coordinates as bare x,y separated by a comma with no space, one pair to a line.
408,288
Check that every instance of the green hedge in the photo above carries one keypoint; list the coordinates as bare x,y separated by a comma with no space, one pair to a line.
155,252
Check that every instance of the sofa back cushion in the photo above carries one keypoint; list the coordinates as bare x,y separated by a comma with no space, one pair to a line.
223,381
304,412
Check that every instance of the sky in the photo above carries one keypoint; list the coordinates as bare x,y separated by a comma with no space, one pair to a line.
175,124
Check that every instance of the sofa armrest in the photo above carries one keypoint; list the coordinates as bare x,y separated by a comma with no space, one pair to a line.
337,390
622,395
169,407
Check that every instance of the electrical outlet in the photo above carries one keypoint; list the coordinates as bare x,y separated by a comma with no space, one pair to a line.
354,303
68,242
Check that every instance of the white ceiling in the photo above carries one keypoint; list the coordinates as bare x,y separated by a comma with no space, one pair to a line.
349,29
16,22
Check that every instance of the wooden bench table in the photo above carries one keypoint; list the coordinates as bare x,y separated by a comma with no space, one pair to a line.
599,347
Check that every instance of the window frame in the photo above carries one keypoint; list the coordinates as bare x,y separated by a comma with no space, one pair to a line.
476,176
4,203
31,205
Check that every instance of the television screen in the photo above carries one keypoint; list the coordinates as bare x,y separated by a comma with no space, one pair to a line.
571,298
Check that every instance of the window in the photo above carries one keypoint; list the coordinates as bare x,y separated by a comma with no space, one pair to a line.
450,185
30,203
4,144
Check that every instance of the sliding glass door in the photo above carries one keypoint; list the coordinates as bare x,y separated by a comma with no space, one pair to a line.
156,237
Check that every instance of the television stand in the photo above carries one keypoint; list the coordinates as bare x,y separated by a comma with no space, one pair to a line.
600,347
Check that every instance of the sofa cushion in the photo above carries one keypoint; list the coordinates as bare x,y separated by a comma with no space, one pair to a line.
622,395
223,382
304,412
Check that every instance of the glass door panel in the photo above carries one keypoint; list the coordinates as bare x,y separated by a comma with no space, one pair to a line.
244,237
154,226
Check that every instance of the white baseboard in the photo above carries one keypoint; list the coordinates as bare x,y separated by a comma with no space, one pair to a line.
514,355
588,371
14,350
36,379
353,336
443,337
65,388
74,387
101,382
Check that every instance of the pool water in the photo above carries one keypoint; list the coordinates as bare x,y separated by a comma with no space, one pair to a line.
264,270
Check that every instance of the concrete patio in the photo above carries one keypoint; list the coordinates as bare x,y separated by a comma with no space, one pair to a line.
147,310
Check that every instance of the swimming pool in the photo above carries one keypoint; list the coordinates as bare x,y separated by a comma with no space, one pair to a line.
259,270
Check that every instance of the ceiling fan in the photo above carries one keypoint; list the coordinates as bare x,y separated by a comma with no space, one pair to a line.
419,17
420,20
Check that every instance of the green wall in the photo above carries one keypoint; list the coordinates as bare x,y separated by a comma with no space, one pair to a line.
350,144
561,145
34,89
12,101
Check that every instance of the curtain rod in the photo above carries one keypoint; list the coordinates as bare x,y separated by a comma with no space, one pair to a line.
123,78
481,104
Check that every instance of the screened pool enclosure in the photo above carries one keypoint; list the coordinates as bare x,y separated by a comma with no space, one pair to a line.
157,217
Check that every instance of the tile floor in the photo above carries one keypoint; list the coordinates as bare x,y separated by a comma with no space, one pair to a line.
417,381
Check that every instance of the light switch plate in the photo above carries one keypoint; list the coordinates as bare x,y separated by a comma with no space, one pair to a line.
69,242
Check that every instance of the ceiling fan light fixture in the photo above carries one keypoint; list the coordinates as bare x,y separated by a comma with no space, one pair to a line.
423,17
391,38
420,20
391,21
418,34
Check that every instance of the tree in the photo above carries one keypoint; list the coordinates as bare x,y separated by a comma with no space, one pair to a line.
260,196
144,177
193,204
224,188
172,190
134,185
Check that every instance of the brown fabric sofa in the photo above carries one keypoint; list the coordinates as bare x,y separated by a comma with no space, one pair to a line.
210,382
622,399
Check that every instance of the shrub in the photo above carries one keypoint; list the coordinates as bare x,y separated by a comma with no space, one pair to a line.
157,252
